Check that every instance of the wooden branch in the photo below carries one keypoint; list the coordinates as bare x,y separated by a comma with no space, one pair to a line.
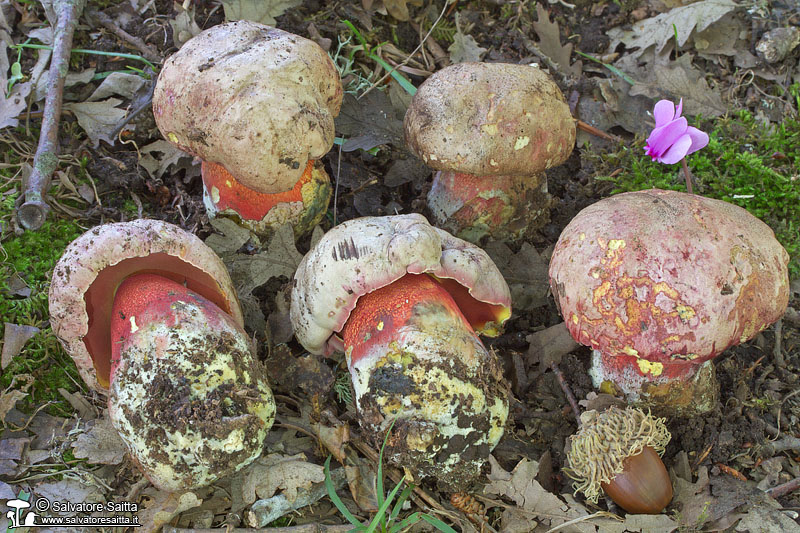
33,212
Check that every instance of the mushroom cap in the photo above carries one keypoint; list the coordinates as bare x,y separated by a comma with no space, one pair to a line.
490,119
92,267
667,277
255,99
364,254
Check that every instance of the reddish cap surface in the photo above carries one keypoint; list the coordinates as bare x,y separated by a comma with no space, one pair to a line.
667,277
93,265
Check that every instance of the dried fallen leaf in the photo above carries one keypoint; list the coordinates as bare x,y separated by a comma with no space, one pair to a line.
280,259
464,48
549,345
263,11
524,271
183,25
118,83
14,338
8,400
680,79
679,22
276,471
100,445
76,400
550,43
369,122
98,119
14,104
163,507
69,490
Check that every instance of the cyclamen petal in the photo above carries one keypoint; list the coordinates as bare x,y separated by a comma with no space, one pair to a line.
677,151
663,112
699,139
662,138
672,139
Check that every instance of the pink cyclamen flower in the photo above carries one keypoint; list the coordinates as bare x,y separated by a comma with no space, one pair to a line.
672,139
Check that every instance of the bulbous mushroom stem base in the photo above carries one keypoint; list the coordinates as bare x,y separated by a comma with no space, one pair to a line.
415,360
187,396
503,207
263,212
680,389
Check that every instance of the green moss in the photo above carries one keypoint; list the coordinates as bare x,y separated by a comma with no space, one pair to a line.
31,256
745,163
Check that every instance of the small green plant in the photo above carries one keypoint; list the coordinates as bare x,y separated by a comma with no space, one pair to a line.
370,52
383,522
344,393
746,163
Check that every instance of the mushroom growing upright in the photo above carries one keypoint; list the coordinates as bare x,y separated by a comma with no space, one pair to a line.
405,302
658,283
491,130
149,315
256,105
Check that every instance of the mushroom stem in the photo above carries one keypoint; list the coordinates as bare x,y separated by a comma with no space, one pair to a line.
302,206
415,358
502,206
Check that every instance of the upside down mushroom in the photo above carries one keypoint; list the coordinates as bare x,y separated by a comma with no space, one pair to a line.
491,130
660,282
256,105
149,315
405,302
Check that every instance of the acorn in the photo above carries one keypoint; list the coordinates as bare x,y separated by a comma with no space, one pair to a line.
619,451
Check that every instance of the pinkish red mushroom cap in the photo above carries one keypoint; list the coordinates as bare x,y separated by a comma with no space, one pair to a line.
667,279
92,267
365,254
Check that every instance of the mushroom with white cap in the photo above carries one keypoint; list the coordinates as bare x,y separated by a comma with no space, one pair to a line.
149,315
491,130
256,105
405,302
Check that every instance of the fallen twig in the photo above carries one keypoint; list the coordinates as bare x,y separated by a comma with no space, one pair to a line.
33,212
784,489
262,512
588,128
777,351
105,21
567,391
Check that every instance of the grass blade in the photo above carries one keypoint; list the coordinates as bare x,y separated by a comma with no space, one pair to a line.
400,501
612,68
438,524
379,516
335,497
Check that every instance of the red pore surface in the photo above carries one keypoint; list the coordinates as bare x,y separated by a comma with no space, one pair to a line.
379,315
100,296
665,278
143,299
247,203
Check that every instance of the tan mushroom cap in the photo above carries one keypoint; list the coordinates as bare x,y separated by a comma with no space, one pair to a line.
365,254
490,119
255,99
92,267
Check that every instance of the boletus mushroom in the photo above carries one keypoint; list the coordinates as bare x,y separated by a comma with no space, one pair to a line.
256,105
149,315
658,283
405,302
491,130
